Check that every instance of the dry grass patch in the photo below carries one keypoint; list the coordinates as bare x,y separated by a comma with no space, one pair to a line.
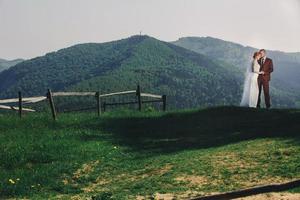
96,186
85,170
255,180
71,197
161,171
141,174
193,180
169,196
231,161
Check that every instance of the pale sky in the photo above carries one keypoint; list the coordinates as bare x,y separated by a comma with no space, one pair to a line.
30,28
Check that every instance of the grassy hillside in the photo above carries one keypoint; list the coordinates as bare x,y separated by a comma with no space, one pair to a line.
187,78
284,85
126,154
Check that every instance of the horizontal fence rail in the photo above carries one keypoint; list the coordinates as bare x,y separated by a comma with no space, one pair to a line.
151,95
50,97
73,94
55,94
15,108
24,100
131,102
118,93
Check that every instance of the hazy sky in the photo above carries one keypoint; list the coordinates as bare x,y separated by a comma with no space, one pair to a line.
30,28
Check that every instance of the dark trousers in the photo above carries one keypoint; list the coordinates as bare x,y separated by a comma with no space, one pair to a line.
264,84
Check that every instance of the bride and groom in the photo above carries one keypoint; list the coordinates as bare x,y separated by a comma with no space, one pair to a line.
258,76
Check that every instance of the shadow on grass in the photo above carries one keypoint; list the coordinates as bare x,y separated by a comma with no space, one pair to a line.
200,129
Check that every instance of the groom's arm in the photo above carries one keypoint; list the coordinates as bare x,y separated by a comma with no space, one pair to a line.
271,66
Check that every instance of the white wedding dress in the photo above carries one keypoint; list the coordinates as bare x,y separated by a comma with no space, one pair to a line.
251,91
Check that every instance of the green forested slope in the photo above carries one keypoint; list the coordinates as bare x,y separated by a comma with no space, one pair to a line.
187,78
5,64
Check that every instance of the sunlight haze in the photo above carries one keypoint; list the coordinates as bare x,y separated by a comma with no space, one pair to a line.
34,27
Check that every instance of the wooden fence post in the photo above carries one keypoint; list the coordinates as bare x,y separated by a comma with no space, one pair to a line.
164,98
20,104
98,103
138,93
49,95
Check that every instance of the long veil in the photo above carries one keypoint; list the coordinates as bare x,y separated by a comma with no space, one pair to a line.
247,84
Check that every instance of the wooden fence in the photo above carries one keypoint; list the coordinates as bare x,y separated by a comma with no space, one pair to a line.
100,103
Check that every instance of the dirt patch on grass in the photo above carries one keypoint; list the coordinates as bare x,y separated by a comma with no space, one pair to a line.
164,196
193,180
160,171
71,197
242,170
231,161
96,186
100,183
85,170
255,180
273,196
169,196
145,173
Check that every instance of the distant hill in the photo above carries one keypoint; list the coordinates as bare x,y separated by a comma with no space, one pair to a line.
5,64
286,75
188,79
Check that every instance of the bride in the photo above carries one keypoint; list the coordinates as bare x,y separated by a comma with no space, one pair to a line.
250,94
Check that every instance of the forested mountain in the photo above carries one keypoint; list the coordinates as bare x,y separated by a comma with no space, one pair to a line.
285,78
5,64
187,78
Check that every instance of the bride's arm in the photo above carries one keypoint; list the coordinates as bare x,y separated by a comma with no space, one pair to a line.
255,67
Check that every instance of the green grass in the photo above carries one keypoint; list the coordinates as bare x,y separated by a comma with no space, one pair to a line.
126,154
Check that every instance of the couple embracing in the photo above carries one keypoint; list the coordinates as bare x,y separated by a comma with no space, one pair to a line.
258,76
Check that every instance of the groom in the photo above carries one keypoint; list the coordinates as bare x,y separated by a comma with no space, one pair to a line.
266,66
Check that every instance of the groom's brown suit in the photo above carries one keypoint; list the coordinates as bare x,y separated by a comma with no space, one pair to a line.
263,80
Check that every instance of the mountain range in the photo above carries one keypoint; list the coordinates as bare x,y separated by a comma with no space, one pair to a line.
5,64
287,65
190,78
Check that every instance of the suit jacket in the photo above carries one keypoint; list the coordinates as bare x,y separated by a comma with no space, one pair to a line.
267,67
